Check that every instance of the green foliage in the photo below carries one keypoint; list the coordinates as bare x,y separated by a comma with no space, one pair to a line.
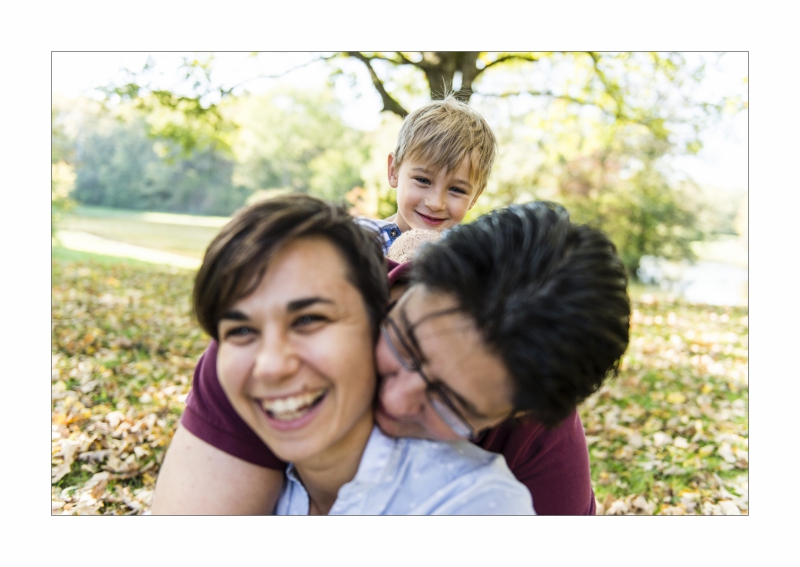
193,121
608,175
62,173
289,141
121,166
292,140
592,130
642,216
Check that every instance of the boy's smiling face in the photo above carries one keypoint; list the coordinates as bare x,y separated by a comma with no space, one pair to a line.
431,199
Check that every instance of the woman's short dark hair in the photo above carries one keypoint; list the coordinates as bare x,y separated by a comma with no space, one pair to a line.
549,297
237,259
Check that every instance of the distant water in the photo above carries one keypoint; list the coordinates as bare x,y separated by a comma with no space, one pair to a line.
713,283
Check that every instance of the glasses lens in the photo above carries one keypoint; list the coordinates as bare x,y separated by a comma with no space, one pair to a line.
398,345
439,401
449,416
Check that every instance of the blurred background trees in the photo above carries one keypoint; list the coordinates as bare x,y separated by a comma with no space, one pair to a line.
597,132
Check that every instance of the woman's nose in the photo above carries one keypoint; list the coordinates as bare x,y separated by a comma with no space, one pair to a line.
276,359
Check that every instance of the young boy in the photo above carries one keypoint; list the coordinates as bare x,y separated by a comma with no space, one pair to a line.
440,166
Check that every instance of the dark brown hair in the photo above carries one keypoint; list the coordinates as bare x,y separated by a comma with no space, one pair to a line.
549,297
237,259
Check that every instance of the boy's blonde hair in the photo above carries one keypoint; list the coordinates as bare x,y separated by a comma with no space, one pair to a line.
443,133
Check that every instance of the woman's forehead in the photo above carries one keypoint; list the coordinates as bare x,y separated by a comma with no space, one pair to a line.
307,265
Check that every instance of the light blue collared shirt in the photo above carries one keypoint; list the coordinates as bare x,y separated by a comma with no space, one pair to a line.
419,477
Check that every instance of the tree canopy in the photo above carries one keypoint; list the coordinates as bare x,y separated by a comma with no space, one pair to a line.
591,130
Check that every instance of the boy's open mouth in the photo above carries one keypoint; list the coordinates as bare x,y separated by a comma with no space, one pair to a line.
433,221
293,407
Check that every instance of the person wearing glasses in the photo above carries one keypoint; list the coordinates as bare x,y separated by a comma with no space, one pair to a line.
293,290
500,329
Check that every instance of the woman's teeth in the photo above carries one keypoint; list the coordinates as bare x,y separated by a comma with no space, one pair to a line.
292,407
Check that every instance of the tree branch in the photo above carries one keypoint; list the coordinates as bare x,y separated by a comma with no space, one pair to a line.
505,58
389,103
400,60
538,93
611,88
282,74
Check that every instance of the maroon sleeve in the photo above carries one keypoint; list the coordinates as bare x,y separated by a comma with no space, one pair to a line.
211,417
553,464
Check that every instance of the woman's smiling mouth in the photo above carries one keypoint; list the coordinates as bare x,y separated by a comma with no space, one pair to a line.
289,409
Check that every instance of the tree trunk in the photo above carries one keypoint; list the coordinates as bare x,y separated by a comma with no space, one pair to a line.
440,68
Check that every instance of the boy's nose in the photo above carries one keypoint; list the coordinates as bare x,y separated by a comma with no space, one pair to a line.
435,201
276,359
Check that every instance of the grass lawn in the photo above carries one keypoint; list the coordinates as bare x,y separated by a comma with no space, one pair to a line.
668,435
187,235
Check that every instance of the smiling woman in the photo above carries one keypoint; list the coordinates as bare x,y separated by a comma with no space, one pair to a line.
293,290
295,359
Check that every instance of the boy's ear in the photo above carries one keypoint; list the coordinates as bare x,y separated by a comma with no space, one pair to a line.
391,171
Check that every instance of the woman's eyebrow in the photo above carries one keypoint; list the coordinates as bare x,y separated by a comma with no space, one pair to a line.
234,315
299,304
292,306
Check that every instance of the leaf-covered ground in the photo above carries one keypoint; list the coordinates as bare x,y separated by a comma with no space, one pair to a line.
669,435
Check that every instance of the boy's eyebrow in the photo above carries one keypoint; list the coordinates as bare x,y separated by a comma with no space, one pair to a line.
429,172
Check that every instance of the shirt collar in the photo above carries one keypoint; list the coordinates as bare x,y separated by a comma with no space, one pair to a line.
373,461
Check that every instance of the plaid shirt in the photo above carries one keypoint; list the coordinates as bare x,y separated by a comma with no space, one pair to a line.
388,231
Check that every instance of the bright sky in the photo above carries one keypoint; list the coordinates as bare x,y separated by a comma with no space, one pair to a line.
722,163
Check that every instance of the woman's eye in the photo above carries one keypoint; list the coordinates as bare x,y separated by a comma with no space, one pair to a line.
308,320
238,332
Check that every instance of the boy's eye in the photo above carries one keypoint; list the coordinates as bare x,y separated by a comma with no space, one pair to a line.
422,180
458,190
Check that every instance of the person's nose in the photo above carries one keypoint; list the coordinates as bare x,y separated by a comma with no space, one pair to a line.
277,358
403,394
435,200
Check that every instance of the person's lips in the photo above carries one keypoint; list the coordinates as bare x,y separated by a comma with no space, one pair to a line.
432,221
292,412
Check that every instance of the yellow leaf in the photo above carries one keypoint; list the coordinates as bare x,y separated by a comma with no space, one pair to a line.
676,398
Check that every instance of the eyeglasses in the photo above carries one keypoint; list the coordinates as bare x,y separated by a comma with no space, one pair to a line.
437,397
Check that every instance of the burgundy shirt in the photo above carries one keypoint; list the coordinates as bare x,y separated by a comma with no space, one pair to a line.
553,464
